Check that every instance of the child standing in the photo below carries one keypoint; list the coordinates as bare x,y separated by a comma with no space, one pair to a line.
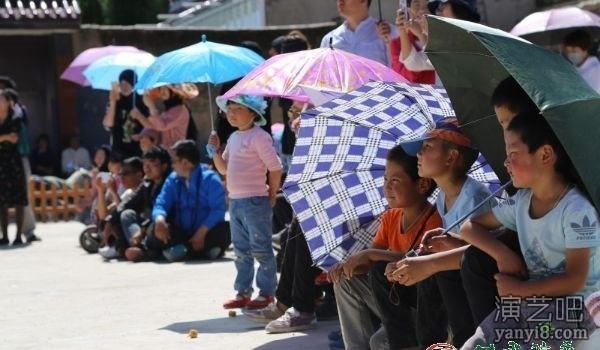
248,156
557,227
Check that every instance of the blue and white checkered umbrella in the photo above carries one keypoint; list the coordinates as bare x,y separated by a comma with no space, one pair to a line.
335,182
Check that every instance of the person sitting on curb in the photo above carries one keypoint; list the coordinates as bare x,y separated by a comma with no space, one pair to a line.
189,213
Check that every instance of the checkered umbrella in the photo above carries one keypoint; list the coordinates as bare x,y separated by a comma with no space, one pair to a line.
335,182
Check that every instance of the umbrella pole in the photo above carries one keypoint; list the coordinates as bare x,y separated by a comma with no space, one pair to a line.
461,219
212,124
380,14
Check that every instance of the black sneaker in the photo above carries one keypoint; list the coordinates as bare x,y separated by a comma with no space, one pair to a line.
33,238
17,241
4,241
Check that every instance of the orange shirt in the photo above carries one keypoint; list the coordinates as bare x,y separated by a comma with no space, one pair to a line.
390,235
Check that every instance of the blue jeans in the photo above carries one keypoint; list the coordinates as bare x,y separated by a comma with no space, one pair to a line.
251,231
130,224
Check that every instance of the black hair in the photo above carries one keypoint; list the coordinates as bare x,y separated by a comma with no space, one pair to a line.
135,163
253,46
8,82
277,42
12,95
579,38
535,132
408,163
173,100
107,152
158,153
187,149
511,95
293,43
467,155
129,76
115,157
462,11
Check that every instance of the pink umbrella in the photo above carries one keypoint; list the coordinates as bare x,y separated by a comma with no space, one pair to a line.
74,71
324,69
549,27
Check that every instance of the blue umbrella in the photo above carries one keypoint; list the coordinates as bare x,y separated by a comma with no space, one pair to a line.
102,72
335,182
205,62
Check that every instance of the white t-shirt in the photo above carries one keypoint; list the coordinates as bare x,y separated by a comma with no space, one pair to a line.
590,71
471,194
573,223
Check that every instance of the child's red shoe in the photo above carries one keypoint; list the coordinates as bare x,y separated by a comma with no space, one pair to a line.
239,301
260,302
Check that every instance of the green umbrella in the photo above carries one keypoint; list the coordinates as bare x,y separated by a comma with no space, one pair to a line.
471,59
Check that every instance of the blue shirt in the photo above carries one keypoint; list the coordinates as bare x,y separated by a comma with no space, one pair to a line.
471,194
571,224
199,202
362,41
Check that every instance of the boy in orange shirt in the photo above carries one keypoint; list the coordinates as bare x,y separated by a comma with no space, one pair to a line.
401,230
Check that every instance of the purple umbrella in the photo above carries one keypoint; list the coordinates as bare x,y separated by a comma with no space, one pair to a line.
74,71
549,27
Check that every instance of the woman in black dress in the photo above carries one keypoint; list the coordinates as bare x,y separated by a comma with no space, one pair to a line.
13,193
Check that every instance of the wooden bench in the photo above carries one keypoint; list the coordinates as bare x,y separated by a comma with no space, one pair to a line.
53,203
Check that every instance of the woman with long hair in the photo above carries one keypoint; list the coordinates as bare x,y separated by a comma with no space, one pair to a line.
13,191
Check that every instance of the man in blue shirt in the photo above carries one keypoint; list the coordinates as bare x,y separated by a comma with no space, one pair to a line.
359,32
189,212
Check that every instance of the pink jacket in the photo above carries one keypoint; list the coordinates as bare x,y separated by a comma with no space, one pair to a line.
172,125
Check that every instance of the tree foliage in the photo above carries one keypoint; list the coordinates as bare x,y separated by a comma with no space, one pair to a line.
122,12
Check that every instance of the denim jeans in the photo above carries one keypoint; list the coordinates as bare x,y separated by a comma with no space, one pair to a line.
251,231
130,224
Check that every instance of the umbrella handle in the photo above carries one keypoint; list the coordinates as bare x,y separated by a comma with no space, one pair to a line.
462,218
417,252
211,150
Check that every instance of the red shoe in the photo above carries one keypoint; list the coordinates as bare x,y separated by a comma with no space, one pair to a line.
239,301
260,302
322,279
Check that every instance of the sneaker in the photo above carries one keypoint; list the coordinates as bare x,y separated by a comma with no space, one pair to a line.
108,252
32,237
260,302
239,301
291,321
265,315
175,253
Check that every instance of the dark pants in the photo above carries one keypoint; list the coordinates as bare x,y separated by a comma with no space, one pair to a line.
478,270
297,281
219,236
395,303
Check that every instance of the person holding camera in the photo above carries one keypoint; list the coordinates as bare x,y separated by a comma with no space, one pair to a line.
118,119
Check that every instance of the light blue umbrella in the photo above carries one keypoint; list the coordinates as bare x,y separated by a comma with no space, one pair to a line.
102,72
205,62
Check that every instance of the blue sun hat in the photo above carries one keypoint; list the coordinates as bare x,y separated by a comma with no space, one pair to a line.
255,103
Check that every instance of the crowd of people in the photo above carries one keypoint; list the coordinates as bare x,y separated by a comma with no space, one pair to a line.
153,198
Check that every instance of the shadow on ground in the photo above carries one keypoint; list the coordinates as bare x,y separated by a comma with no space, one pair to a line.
237,324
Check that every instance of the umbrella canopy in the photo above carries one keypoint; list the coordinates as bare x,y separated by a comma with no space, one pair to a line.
74,71
550,27
205,62
323,69
335,182
471,60
106,70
